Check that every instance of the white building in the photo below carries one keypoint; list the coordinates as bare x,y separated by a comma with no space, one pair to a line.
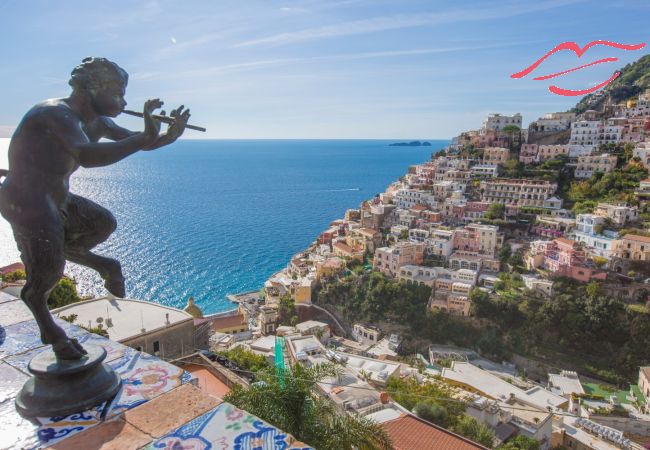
440,243
642,151
496,122
586,231
619,214
588,165
535,283
366,334
485,170
466,276
586,133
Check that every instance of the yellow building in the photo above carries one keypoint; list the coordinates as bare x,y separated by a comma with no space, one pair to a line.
329,267
632,247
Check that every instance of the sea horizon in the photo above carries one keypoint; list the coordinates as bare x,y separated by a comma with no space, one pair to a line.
212,217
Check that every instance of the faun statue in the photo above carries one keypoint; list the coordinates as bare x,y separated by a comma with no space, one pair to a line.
52,225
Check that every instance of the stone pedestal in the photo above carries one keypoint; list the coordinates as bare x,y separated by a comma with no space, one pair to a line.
62,387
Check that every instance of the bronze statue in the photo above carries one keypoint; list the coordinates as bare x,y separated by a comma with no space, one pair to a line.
52,225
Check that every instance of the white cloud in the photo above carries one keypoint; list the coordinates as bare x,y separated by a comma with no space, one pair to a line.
385,23
173,39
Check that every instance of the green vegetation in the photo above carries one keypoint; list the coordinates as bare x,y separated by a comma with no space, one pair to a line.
64,293
292,406
375,298
246,359
16,275
634,78
520,442
495,211
581,328
287,310
512,168
439,407
99,329
618,185
470,428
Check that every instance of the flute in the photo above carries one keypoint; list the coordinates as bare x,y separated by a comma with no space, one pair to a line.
164,119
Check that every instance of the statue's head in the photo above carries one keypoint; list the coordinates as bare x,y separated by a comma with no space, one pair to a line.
104,81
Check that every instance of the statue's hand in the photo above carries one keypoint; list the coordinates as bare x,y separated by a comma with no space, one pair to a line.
151,125
177,128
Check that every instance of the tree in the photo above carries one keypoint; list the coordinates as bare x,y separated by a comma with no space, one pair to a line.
404,234
470,428
431,412
246,359
64,293
289,404
286,309
510,131
520,442
504,253
495,211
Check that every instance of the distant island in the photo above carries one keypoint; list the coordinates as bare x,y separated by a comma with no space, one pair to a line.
411,144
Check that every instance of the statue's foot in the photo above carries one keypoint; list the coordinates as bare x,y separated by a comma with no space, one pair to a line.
116,287
114,280
68,349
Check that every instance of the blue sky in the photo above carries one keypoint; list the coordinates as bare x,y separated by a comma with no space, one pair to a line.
317,69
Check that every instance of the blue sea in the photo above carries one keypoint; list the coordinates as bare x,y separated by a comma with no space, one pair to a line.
207,218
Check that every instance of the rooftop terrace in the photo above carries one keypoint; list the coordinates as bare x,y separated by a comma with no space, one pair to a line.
158,405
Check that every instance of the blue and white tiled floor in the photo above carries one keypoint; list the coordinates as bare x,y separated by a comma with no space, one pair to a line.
144,378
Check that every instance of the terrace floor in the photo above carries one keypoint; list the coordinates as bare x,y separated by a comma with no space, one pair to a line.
158,406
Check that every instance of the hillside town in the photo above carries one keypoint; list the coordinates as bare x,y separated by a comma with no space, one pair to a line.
503,212
445,225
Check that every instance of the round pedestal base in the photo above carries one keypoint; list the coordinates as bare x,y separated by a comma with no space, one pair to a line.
61,387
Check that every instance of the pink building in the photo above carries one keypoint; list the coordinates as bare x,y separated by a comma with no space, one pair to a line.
528,153
565,257
389,260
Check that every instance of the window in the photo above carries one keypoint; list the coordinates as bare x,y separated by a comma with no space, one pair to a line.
156,347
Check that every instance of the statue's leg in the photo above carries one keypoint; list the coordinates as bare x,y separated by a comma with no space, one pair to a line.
87,225
41,250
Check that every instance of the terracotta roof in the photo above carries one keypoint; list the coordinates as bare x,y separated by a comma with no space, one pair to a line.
636,237
411,433
419,207
344,247
565,241
12,267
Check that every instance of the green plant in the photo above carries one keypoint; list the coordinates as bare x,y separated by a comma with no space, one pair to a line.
16,275
287,402
431,412
474,430
64,293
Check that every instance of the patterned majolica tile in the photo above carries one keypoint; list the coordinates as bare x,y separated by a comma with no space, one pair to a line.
12,381
225,427
55,429
25,336
114,350
20,338
143,377
14,312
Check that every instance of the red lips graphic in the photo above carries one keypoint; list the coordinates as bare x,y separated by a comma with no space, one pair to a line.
579,52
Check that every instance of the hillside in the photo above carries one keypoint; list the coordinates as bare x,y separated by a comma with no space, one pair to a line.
634,78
